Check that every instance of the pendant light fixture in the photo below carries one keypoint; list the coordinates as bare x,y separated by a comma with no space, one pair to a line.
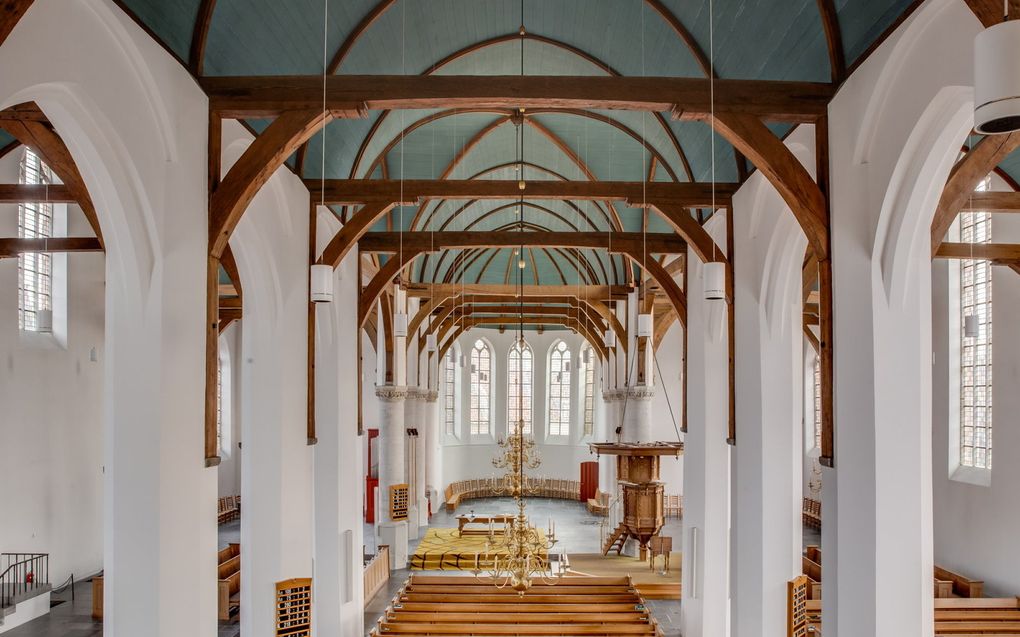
997,77
321,278
431,344
609,338
44,321
714,281
644,325
586,357
400,316
970,321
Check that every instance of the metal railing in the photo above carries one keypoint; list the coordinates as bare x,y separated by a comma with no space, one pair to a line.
612,519
22,573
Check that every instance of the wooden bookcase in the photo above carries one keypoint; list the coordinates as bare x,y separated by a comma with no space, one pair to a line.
294,607
796,612
399,501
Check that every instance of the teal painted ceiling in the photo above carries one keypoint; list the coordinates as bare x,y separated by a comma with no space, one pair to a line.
749,39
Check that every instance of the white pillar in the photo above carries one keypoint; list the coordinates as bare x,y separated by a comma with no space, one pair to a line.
412,460
636,405
607,464
339,534
704,611
391,469
768,455
433,471
159,499
276,475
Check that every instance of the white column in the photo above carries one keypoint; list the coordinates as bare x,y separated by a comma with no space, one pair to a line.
768,455
412,459
276,475
433,472
704,611
636,405
339,534
391,469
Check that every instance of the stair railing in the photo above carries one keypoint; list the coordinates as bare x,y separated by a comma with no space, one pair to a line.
22,573
611,520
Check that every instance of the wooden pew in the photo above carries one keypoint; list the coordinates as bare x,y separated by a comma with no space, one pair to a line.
962,586
811,514
599,505
229,585
461,490
436,606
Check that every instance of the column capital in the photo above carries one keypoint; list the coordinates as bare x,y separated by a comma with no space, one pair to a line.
413,393
429,395
613,395
640,392
391,393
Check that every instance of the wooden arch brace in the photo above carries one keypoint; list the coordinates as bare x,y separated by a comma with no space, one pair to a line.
27,123
965,177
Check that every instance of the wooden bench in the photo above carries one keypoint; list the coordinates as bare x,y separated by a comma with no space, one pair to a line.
599,505
436,606
673,505
946,584
962,586
461,490
229,586
811,513
229,509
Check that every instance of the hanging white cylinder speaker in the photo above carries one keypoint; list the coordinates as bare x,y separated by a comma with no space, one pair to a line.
431,343
44,321
644,325
970,326
587,356
400,324
714,281
321,283
462,361
997,79
609,339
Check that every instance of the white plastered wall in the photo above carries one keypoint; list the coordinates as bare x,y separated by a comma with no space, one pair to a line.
51,390
135,123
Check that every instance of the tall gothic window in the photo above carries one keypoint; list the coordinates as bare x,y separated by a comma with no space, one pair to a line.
449,392
976,351
481,388
559,390
519,384
35,269
588,376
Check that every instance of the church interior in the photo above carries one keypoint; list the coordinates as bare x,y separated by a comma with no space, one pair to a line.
359,318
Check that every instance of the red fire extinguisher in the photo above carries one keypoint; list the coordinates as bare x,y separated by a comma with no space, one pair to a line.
29,577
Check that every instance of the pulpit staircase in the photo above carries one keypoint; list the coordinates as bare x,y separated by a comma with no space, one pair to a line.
615,540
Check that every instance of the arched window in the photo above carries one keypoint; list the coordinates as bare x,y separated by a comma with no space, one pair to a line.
559,390
976,348
519,383
588,376
481,386
449,392
35,269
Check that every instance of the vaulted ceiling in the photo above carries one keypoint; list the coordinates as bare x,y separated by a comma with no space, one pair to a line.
804,40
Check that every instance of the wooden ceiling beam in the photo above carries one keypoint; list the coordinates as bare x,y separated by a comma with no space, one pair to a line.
36,193
833,39
600,292
10,14
14,247
990,201
965,176
199,37
268,96
1003,253
394,242
412,191
989,12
